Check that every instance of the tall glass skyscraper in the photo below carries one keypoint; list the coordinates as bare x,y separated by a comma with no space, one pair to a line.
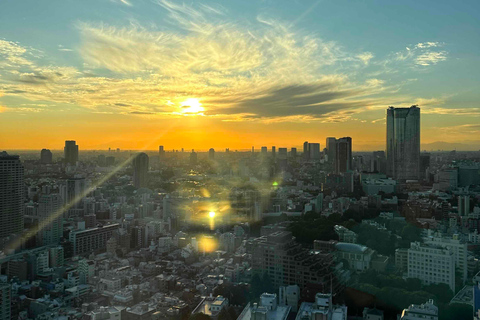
403,143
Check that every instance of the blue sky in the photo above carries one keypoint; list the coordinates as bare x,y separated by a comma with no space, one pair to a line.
263,65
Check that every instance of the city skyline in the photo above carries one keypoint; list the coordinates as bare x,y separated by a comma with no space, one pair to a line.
137,74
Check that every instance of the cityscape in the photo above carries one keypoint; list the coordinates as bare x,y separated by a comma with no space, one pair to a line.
225,161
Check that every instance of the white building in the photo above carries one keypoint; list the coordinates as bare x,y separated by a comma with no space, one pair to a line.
431,264
420,312
289,296
321,309
458,247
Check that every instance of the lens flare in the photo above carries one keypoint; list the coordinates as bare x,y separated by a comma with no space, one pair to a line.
211,214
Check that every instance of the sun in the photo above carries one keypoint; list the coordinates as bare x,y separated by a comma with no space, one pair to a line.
191,106
211,214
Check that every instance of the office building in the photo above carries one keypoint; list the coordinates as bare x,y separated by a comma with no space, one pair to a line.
331,146
45,156
264,151
5,301
50,219
70,152
140,170
311,151
458,247
343,156
161,152
431,264
287,263
273,152
419,312
91,240
379,162
72,192
463,205
11,196
403,143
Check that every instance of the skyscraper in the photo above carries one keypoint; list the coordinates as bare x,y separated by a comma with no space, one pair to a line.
343,156
51,219
403,143
45,156
211,154
331,149
11,196
161,152
314,149
140,170
71,152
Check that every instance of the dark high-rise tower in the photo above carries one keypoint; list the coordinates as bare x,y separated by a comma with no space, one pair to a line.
403,143
161,152
331,149
211,154
45,156
343,157
71,152
11,196
140,170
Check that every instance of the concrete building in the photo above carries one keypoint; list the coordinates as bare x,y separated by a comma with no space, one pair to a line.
267,309
50,219
372,314
431,264
331,146
70,152
345,235
463,205
322,309
11,197
289,296
420,312
211,306
140,170
454,243
5,301
403,143
90,240
287,263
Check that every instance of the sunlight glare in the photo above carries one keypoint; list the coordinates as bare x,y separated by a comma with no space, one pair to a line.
191,106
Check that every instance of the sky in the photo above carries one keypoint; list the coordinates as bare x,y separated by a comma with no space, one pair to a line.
135,74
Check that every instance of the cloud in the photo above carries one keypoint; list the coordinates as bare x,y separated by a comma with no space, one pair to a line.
365,57
422,54
430,57
124,2
261,70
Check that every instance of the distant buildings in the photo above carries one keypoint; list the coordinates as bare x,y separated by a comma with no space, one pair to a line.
5,301
11,196
403,143
211,154
140,170
45,156
311,151
70,152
